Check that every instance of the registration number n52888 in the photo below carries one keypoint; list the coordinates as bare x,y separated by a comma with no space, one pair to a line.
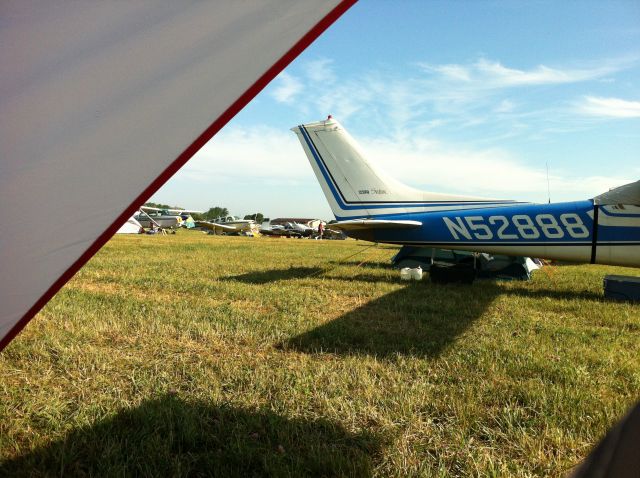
517,227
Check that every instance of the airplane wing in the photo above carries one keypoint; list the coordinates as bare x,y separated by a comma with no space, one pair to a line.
185,211
178,211
215,227
627,194
182,211
372,224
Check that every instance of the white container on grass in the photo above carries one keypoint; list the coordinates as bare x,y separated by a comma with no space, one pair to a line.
416,274
405,273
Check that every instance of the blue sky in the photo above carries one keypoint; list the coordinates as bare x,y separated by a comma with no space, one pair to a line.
463,97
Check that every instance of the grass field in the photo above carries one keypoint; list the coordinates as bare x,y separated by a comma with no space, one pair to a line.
194,355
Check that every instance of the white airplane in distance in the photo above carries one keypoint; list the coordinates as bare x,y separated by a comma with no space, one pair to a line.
301,229
372,206
229,225
164,218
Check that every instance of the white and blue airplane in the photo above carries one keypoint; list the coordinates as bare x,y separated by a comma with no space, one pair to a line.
372,206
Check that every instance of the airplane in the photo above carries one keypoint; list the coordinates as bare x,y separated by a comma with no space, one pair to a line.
278,230
372,206
296,227
302,229
164,218
289,229
229,225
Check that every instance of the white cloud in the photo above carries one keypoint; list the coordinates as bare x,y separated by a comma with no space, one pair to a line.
610,107
320,71
463,96
487,74
343,100
500,75
505,106
259,153
454,72
287,87
264,156
441,167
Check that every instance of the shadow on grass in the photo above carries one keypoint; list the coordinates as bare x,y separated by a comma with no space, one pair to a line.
419,319
364,264
365,276
293,273
171,437
264,277
557,294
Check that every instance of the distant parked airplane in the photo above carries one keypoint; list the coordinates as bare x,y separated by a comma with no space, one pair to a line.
229,225
373,206
164,218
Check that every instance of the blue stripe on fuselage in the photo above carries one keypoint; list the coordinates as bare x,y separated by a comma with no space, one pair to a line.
534,224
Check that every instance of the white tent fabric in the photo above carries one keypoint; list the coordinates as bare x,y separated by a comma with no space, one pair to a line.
132,226
103,101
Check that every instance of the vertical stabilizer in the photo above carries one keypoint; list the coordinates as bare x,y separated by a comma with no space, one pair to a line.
355,188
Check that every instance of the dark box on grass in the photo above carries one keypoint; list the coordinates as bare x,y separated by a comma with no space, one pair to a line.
622,288
449,273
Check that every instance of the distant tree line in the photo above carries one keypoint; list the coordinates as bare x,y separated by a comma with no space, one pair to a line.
215,212
258,217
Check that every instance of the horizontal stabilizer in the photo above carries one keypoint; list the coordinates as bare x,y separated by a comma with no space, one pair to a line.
627,194
371,224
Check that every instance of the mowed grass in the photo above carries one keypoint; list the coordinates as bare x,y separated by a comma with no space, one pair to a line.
194,355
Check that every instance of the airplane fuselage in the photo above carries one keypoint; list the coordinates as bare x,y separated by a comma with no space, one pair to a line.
371,205
573,231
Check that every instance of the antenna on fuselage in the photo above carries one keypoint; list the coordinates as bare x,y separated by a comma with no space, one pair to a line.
548,185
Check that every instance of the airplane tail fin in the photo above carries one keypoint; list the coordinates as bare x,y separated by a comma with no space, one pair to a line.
355,188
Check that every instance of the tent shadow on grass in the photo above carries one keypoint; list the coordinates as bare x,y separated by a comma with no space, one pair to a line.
295,273
172,437
421,319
